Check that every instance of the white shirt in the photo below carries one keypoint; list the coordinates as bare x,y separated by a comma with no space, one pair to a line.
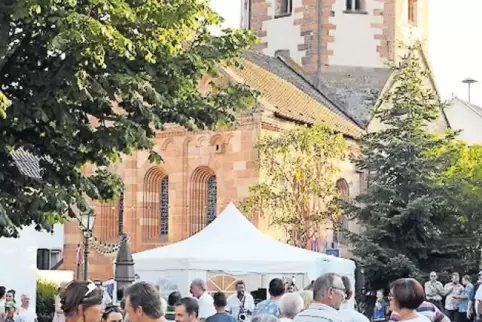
234,304
26,315
206,306
478,294
350,315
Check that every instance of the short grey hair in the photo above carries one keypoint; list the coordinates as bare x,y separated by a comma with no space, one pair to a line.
323,284
145,295
199,282
264,318
290,305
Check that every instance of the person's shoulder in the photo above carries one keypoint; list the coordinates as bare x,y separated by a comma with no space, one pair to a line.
360,317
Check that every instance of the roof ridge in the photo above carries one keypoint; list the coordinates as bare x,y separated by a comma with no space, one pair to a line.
317,89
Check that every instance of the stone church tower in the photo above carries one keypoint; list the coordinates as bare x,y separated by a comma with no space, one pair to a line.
334,35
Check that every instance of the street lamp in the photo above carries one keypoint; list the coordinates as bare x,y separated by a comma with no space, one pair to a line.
469,82
86,217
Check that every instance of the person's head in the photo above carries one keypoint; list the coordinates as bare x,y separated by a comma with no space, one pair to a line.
220,301
25,300
82,301
173,298
307,297
143,302
380,294
348,288
187,310
455,278
3,291
433,276
9,296
406,293
198,287
290,305
112,313
240,287
466,280
329,290
276,287
264,318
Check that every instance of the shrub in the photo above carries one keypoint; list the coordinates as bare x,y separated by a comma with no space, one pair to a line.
45,305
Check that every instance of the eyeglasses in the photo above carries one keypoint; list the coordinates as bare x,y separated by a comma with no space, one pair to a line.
339,288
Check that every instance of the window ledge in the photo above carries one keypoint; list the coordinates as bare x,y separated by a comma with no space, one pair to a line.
282,15
355,12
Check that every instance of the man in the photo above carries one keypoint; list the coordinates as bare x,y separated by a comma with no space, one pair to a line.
328,295
427,309
289,306
271,306
463,315
106,300
220,303
434,290
452,290
25,312
472,307
241,298
143,303
205,301
187,310
348,314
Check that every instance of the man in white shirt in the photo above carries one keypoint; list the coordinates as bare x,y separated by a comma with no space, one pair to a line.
205,301
241,299
25,312
349,314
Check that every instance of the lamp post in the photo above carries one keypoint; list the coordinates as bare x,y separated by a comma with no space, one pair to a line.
469,82
86,217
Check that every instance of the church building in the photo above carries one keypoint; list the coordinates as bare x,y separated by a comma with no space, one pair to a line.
318,61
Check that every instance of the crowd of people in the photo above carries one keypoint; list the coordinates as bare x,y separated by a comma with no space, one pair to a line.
324,300
11,311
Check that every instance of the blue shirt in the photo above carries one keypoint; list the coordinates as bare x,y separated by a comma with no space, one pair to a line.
267,307
221,317
463,304
379,313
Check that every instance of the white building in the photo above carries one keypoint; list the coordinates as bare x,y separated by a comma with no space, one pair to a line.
466,118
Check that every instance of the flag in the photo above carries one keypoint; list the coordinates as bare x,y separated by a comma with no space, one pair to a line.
79,255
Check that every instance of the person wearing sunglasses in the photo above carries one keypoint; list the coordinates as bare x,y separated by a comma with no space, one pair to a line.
406,295
81,301
112,313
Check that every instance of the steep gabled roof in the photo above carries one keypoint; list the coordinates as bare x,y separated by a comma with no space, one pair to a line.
476,110
291,96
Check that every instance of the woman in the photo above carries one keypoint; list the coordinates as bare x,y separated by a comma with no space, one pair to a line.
112,313
406,295
81,301
59,314
307,297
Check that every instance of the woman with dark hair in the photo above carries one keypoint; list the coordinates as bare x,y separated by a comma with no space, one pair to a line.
173,298
82,302
406,295
112,313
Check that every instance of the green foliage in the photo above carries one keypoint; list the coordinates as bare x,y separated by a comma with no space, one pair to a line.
129,67
410,227
45,305
298,170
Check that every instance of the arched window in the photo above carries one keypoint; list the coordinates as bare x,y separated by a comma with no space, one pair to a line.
343,189
111,219
155,219
203,199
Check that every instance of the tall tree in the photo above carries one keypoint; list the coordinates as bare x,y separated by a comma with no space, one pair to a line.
297,190
408,227
88,81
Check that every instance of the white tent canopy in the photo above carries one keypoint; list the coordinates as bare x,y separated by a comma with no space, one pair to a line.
232,244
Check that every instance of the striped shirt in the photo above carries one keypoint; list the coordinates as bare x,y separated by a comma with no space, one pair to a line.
319,312
426,309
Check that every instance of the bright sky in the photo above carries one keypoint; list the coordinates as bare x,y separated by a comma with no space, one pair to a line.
455,48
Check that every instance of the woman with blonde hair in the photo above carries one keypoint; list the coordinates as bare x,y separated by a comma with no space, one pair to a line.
307,297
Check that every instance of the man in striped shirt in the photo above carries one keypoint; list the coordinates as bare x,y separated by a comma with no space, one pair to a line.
426,309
